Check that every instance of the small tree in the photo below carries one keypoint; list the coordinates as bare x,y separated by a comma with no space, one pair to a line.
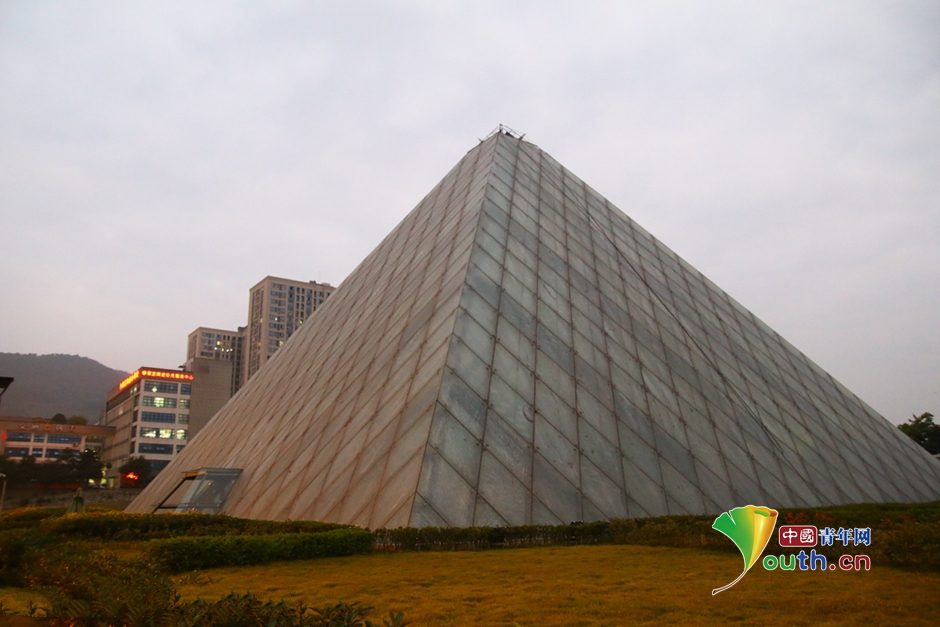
78,420
59,419
922,430
84,466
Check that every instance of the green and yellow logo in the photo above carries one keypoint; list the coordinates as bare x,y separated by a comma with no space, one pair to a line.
750,528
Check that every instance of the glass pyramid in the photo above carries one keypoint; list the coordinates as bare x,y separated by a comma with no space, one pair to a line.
517,350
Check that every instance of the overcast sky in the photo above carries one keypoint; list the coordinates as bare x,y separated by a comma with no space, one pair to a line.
157,159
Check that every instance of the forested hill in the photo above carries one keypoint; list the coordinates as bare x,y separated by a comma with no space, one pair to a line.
47,385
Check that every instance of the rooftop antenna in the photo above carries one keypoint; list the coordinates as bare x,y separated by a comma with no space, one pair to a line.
505,130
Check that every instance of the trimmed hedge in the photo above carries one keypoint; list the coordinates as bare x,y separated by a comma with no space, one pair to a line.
118,525
191,553
27,517
903,535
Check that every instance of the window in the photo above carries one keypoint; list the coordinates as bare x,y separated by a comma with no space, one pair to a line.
186,388
184,403
37,452
18,437
155,416
16,452
163,387
181,434
155,449
39,437
57,438
159,401
184,419
56,452
180,447
148,432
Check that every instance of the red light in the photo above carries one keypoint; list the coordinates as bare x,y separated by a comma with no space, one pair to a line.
132,476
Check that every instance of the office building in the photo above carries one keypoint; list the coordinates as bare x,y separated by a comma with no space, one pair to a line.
149,412
48,441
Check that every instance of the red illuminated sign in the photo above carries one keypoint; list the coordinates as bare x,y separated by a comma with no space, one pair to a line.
155,374
132,476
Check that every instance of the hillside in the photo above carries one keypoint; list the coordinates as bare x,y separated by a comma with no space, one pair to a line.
46,385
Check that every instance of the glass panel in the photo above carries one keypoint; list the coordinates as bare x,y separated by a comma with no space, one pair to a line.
551,373
469,367
557,411
490,267
503,492
512,407
521,348
475,336
423,515
554,348
518,269
599,416
554,447
483,284
515,288
648,493
682,490
602,492
480,310
463,403
491,246
514,312
455,444
444,490
600,451
557,494
513,450
485,516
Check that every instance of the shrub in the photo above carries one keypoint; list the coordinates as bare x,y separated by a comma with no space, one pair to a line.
118,525
27,517
191,553
236,611
87,588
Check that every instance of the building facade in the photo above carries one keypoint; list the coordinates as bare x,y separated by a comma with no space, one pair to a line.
212,381
49,441
276,309
149,412
220,345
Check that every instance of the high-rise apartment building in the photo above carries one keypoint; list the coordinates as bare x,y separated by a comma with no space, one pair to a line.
276,308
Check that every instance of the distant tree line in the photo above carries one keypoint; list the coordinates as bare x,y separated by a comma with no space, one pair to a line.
922,430
71,469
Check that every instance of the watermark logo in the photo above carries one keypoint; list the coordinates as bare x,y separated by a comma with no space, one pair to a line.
806,536
750,528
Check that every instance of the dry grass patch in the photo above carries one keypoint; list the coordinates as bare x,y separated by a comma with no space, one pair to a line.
587,585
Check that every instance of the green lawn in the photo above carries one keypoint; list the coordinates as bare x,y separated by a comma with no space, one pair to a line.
588,585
